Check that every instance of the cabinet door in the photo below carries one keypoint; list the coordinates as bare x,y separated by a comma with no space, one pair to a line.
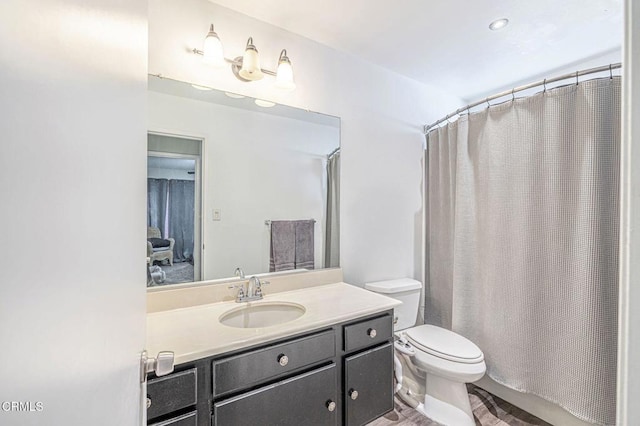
307,399
171,393
368,385
190,419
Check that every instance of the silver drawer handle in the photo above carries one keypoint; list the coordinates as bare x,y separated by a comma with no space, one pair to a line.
372,333
283,360
353,394
331,406
148,402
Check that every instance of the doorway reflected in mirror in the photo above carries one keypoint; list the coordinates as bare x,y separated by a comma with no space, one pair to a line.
173,209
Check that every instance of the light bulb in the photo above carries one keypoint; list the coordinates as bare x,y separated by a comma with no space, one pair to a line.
212,49
251,63
284,73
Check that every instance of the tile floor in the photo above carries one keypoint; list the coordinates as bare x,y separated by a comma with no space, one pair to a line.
487,410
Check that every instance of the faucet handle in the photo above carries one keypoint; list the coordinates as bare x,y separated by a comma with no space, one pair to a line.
259,284
240,288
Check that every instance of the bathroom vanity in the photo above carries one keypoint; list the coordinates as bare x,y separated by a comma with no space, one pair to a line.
331,366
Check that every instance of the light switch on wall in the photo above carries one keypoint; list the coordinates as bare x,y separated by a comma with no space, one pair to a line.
216,214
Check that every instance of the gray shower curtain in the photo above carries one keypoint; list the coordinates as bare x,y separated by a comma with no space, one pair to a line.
332,232
522,232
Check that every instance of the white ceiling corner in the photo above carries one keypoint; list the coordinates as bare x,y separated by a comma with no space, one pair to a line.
447,43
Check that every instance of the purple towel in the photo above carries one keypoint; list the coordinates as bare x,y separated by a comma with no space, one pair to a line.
304,257
283,246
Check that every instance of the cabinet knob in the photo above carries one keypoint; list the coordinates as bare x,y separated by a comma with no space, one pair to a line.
331,406
283,359
353,394
372,333
148,402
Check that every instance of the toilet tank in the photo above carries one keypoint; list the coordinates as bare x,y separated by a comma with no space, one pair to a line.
405,290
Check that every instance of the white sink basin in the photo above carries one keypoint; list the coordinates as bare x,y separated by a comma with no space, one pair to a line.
259,315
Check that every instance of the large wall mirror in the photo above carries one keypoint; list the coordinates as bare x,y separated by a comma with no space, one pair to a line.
237,186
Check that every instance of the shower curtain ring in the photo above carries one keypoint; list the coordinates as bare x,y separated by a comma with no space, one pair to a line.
544,86
513,94
488,104
610,72
577,78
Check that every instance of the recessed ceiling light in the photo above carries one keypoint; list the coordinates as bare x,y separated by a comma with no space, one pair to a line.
264,104
233,95
203,88
498,24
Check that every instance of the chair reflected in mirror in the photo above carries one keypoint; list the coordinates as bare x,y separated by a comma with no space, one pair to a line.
158,248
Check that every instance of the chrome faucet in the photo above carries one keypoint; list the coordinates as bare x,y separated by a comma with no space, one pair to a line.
252,292
239,273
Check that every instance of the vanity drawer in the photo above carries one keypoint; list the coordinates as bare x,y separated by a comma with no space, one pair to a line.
367,333
171,393
189,419
252,368
307,399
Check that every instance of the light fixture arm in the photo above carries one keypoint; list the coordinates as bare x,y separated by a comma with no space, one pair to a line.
234,62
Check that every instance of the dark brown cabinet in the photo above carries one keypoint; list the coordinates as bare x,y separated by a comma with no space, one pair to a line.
337,375
368,384
306,399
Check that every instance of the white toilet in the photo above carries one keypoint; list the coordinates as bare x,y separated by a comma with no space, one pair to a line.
433,364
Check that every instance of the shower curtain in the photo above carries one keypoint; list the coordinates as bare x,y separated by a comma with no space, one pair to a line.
522,232
332,233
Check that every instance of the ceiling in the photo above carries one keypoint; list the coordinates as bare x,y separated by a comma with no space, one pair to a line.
447,43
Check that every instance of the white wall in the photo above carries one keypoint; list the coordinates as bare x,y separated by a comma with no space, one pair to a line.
256,167
72,179
629,318
382,114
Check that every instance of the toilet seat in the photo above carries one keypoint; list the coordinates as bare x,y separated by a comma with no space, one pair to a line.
444,344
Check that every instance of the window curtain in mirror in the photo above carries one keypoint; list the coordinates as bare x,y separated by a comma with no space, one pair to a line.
180,219
157,204
332,228
170,208
523,231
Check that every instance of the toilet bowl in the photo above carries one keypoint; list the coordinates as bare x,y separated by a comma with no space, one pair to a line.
436,363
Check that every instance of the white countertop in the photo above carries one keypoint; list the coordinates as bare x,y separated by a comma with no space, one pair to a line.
195,332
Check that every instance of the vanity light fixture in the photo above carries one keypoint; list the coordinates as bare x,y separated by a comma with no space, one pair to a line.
246,67
284,73
250,69
212,49
498,24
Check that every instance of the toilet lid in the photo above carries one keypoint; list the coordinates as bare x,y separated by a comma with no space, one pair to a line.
444,344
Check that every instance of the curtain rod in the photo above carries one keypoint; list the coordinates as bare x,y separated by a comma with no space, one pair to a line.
512,92
334,152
